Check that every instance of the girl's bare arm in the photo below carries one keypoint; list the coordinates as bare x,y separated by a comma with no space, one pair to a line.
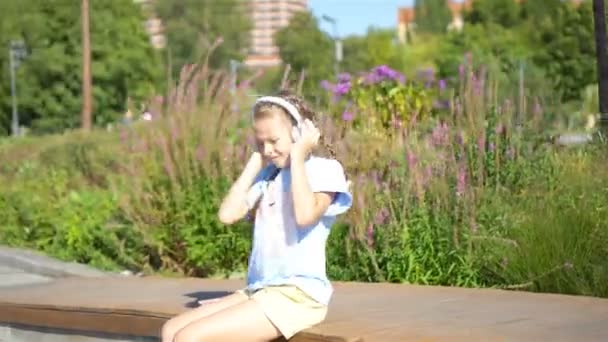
234,206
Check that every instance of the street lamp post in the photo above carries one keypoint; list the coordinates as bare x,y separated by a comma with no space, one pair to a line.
599,14
16,54
337,43
234,66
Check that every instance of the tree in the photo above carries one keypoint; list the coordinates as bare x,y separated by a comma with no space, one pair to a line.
536,10
506,13
124,63
432,15
193,26
565,48
377,47
304,46
504,48
87,96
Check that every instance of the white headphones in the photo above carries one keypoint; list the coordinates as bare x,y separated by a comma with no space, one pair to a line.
291,109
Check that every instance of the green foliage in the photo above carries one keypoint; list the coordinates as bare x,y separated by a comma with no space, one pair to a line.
554,36
563,250
506,13
49,80
473,198
568,48
193,28
78,224
304,46
380,100
503,46
534,11
176,173
432,16
377,47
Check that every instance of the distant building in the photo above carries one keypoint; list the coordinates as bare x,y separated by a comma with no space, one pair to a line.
405,22
406,18
457,9
268,17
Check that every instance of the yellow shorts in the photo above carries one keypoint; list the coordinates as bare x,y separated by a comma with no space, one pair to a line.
288,308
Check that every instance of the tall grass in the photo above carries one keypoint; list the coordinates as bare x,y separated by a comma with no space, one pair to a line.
470,196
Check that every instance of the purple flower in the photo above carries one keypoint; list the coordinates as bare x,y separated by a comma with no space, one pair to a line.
441,104
428,174
458,108
499,129
477,85
383,72
341,89
411,159
326,85
200,153
461,71
344,77
397,122
439,137
381,216
347,115
251,139
492,147
461,182
442,84
370,235
481,143
427,75
244,84
372,78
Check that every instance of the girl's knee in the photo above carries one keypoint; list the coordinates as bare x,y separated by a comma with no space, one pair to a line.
188,334
169,330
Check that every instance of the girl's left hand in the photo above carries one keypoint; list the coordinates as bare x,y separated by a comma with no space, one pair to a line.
309,139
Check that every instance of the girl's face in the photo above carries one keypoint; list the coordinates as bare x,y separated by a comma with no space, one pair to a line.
273,138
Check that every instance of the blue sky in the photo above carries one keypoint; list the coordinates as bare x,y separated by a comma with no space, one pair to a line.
355,16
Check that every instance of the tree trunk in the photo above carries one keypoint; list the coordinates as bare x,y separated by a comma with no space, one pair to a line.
87,101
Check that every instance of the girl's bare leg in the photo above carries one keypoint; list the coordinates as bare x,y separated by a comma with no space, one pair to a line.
175,324
241,322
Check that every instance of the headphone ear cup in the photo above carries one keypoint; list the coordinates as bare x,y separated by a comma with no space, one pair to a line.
295,134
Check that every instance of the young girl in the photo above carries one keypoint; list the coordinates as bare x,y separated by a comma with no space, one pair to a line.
295,198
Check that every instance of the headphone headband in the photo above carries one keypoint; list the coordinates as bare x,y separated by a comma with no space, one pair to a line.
289,108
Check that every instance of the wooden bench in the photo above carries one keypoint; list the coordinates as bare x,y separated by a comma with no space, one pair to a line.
132,306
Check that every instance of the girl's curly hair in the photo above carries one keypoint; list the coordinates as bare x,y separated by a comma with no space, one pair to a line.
265,108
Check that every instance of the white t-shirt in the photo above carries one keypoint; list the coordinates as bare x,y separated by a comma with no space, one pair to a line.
282,252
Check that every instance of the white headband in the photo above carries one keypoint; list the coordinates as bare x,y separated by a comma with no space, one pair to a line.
291,109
